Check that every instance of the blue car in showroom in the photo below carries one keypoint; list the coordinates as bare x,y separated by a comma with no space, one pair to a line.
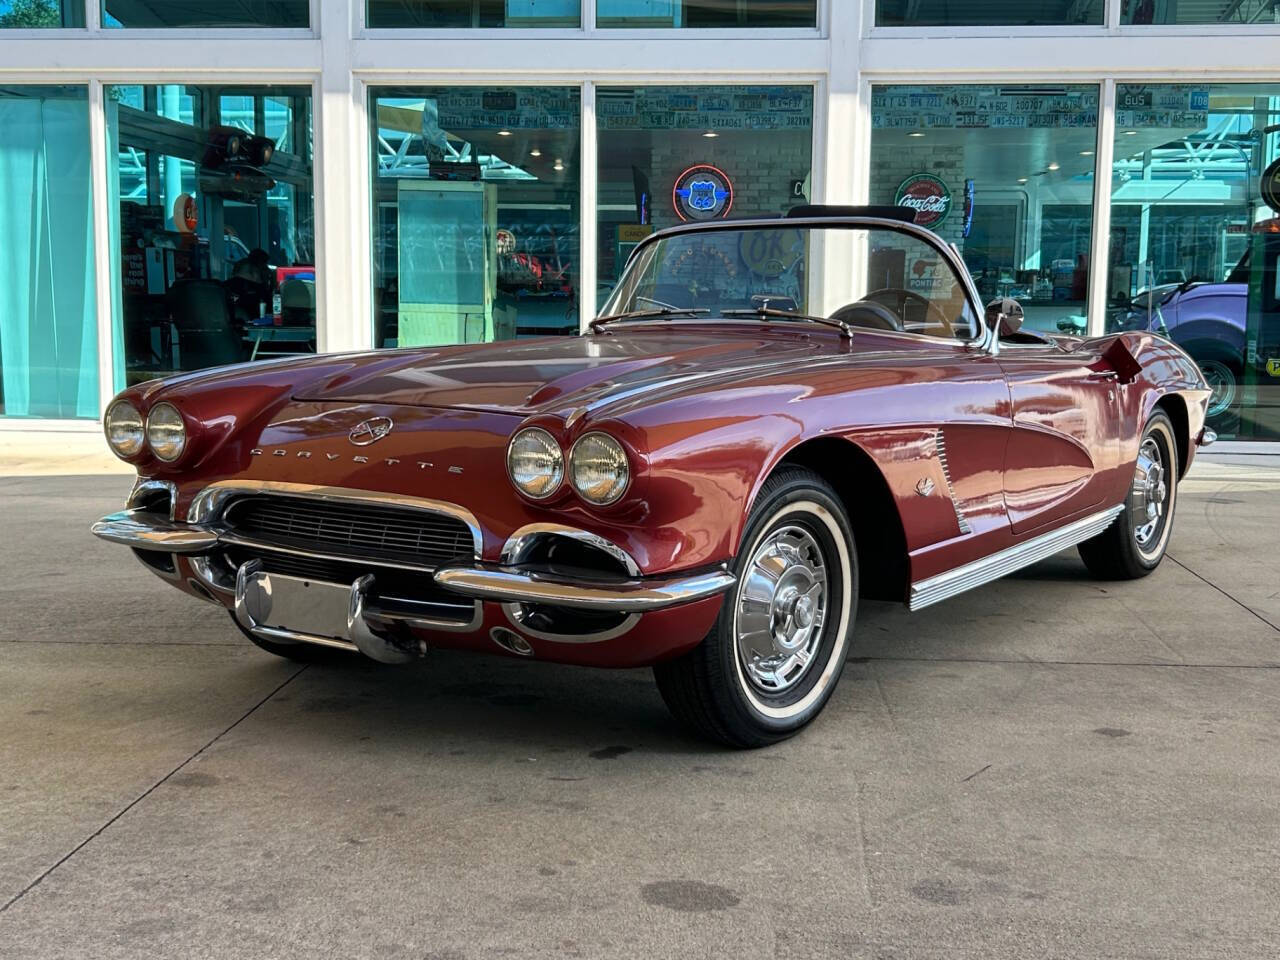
1206,319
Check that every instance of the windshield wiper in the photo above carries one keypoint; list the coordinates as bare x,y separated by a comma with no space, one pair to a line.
599,322
764,313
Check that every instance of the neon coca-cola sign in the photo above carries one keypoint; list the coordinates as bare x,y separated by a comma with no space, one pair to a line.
928,196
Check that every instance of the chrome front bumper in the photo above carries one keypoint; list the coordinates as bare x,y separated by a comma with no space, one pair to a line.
145,530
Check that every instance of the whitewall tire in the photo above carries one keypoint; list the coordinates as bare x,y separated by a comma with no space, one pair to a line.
775,654
1136,542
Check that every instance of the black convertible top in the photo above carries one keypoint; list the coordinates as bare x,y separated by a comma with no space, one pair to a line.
883,211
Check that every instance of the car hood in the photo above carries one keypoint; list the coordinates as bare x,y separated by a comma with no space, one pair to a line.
1202,291
527,377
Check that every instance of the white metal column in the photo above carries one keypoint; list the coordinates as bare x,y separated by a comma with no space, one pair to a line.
840,154
103,275
1099,248
588,180
344,319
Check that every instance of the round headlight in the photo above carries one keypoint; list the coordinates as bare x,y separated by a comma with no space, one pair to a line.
535,463
598,468
123,425
166,433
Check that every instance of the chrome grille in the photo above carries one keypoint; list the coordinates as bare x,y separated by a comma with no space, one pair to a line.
359,531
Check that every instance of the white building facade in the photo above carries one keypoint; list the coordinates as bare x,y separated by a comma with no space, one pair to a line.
186,184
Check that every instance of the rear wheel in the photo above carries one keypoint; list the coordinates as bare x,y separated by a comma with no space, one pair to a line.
775,654
1135,543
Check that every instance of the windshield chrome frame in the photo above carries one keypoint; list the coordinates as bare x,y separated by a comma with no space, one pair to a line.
985,340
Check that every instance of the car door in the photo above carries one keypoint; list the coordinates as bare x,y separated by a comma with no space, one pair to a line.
1064,445
943,405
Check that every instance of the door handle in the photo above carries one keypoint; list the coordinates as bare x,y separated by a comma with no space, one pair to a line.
1104,375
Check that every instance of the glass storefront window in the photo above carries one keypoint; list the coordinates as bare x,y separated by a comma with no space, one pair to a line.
670,154
1194,241
213,225
475,213
1255,12
443,14
706,13
158,14
1003,13
36,14
1004,172
48,326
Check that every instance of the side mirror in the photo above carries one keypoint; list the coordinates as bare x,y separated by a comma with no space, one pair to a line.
1004,316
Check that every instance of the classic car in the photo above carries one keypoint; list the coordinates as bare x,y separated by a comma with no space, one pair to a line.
769,420
1208,320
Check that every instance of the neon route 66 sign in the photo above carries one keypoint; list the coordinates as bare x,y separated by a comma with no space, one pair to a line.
702,192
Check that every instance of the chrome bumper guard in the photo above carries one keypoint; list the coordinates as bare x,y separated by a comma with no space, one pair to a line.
253,607
144,530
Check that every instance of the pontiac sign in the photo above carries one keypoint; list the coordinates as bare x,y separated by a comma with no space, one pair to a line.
928,196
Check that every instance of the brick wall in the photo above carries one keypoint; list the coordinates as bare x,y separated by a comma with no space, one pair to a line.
889,167
761,165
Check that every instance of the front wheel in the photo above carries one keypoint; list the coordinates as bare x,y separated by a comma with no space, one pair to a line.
1223,379
1135,543
775,654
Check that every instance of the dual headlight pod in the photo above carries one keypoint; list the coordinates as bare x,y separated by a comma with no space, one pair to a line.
164,431
598,468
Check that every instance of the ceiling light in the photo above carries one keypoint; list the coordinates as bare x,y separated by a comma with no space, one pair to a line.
711,134
504,133
558,165
535,152
915,133
1131,133
1086,153
1022,179
1053,166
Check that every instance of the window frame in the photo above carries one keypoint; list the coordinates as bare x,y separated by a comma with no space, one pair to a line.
368,89
1109,27
587,152
1104,143
589,29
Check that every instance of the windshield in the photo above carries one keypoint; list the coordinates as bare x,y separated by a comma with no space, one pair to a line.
872,277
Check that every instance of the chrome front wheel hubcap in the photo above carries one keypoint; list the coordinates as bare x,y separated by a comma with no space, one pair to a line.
781,609
1149,493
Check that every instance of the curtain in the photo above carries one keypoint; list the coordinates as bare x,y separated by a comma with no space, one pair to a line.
48,331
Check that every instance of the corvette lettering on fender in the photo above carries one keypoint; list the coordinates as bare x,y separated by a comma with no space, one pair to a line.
388,461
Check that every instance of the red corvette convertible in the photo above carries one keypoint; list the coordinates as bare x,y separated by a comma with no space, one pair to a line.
770,419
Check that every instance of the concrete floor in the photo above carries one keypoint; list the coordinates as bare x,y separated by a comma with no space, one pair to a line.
1049,766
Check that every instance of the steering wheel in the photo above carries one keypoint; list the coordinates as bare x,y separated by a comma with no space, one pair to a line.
864,313
898,297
